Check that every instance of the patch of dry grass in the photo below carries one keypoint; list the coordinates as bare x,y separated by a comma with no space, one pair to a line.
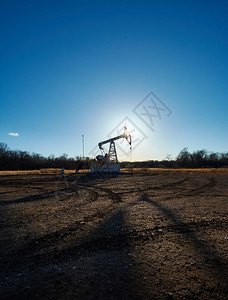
57,171
161,170
37,172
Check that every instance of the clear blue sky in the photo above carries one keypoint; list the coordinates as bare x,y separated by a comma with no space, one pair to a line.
80,67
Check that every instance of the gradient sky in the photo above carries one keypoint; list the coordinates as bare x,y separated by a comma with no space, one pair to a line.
81,67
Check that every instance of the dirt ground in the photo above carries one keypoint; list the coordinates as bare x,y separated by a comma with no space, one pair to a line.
140,236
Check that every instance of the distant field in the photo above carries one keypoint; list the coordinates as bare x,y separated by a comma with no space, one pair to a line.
133,170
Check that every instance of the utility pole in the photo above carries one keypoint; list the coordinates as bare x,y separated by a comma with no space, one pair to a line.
83,146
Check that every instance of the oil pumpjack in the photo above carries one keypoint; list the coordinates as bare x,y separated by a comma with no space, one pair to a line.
108,162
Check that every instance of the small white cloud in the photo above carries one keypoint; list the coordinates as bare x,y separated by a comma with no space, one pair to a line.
13,134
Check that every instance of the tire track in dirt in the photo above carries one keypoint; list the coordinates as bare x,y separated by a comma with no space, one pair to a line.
197,191
27,180
118,241
28,199
49,240
169,185
115,197
145,234
94,190
75,192
210,184
88,183
45,246
137,237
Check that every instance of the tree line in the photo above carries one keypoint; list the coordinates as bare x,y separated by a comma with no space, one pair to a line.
185,159
201,159
23,160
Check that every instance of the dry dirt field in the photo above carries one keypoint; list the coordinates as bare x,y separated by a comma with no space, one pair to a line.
140,236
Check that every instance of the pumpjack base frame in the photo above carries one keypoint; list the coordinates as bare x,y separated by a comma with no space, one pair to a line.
111,168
